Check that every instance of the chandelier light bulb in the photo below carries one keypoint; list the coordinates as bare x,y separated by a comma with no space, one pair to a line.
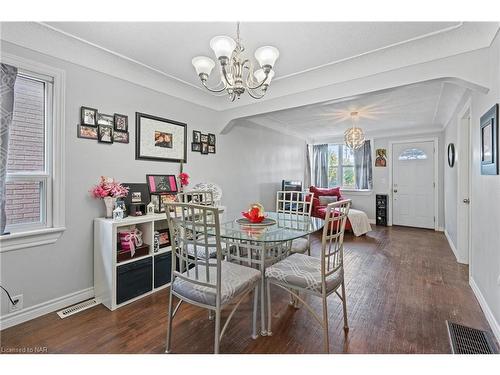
223,46
267,56
203,65
260,75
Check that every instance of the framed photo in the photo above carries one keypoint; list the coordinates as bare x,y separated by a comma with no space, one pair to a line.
204,148
121,123
120,137
489,141
103,119
211,139
203,138
196,147
86,131
381,159
159,183
164,237
160,200
136,197
196,136
88,116
211,149
160,139
105,133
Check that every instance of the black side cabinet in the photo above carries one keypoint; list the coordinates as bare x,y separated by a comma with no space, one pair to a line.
381,201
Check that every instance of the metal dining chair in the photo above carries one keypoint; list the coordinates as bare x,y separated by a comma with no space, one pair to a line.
204,198
208,283
296,203
319,277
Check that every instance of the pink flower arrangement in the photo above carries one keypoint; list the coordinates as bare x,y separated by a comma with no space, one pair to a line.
184,179
108,187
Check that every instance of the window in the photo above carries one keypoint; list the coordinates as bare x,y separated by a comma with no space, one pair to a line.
34,173
28,184
341,171
413,154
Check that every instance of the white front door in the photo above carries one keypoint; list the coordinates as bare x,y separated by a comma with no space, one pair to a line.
413,184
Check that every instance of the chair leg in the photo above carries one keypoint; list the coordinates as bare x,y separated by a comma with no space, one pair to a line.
217,331
169,324
269,310
344,305
326,342
263,331
210,315
254,317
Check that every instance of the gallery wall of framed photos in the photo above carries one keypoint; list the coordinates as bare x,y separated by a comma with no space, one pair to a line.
103,127
203,143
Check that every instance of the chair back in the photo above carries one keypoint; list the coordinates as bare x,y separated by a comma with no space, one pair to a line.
332,244
202,198
294,202
196,226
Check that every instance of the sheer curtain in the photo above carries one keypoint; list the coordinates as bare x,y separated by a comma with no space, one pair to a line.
363,166
320,165
8,75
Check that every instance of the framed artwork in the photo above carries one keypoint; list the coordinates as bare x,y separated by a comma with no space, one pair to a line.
211,139
86,131
211,149
103,119
159,183
204,147
160,139
164,237
160,200
120,137
196,147
204,138
381,159
105,133
196,136
136,197
88,116
121,123
489,141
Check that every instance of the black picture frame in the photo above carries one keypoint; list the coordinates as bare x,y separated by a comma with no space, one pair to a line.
81,134
204,148
196,147
451,155
102,130
196,136
153,180
82,116
117,123
121,137
211,149
141,155
211,139
204,138
104,119
489,141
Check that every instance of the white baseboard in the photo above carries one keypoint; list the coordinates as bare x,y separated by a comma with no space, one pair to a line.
495,326
440,229
452,246
43,308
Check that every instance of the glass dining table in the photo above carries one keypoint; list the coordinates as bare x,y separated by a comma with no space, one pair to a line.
261,246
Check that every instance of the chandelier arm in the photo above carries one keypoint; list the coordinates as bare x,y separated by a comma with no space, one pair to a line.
226,78
250,75
254,95
214,90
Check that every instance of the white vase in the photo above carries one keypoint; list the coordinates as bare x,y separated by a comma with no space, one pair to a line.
109,202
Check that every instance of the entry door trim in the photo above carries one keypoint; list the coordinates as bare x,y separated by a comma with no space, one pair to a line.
436,176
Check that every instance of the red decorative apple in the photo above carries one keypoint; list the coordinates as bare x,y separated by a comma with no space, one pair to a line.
255,214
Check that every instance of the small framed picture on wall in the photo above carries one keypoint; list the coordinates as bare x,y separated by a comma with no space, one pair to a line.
489,141
196,136
105,134
211,139
121,123
88,116
196,147
86,131
204,148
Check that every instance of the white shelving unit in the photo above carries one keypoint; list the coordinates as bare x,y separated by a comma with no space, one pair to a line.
113,279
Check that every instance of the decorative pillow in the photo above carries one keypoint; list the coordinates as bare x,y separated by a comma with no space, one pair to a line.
318,192
325,200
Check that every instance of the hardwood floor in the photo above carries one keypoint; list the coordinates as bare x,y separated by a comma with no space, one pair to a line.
402,284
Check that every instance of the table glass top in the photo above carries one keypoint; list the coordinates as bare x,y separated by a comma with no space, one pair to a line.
286,228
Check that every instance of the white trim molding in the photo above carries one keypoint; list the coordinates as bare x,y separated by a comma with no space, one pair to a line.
43,308
494,324
56,201
453,248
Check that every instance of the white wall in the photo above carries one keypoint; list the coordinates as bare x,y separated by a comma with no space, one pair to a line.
366,201
249,165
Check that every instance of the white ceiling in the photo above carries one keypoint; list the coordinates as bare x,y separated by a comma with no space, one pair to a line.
414,108
168,47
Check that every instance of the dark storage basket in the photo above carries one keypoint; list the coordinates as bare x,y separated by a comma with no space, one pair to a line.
163,269
134,279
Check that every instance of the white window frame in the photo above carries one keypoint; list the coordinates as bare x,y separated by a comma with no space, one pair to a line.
29,235
340,169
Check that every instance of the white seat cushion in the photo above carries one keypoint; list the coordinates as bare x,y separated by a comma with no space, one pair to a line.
300,245
234,280
303,271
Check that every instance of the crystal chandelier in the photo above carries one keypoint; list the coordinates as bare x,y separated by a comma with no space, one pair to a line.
234,65
354,137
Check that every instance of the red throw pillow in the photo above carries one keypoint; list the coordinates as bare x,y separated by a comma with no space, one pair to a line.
322,192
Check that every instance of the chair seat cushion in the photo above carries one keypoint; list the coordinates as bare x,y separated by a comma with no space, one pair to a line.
201,249
234,280
300,245
303,271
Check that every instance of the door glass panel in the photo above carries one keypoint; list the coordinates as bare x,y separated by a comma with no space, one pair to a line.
413,154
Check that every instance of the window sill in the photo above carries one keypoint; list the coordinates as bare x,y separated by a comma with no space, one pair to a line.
23,240
356,192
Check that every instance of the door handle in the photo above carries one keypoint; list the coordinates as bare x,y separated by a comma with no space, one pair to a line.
466,200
